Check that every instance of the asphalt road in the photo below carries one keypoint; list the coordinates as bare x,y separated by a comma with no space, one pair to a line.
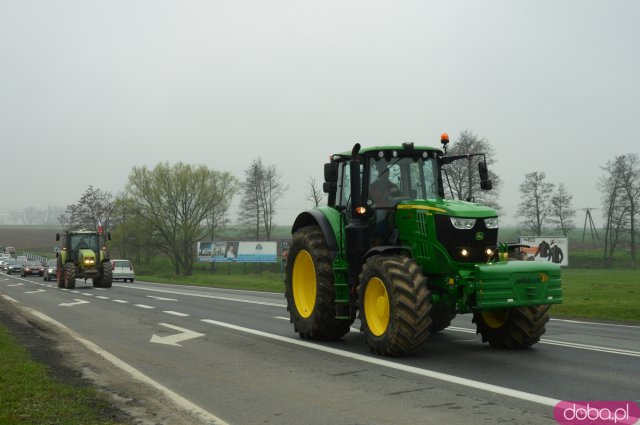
232,357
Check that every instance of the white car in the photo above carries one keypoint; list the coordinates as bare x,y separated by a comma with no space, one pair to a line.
122,269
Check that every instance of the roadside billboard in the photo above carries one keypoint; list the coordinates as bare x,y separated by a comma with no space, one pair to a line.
234,251
546,248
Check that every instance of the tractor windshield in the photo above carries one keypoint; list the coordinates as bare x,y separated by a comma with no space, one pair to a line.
402,178
389,181
84,241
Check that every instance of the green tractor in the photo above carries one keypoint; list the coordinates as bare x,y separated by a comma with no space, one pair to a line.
390,246
83,256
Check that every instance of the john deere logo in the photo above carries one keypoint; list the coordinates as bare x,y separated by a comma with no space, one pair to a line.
544,277
479,236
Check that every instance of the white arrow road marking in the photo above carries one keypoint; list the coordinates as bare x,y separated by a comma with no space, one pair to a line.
77,302
36,291
184,335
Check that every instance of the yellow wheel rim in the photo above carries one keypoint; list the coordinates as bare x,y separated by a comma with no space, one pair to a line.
303,284
495,318
376,306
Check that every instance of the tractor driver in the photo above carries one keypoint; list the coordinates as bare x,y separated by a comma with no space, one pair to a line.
382,190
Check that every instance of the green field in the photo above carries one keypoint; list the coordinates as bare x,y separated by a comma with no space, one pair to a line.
600,294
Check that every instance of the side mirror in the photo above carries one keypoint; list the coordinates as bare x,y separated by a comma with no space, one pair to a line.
485,183
57,237
482,170
329,187
331,172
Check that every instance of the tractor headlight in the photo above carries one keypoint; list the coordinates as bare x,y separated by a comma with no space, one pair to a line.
463,223
89,261
491,223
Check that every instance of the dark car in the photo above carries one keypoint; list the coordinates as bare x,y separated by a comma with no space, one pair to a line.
50,270
32,267
14,266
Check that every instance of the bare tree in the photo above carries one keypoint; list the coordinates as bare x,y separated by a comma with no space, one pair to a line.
315,194
262,188
251,212
535,203
631,190
457,172
562,211
94,209
620,187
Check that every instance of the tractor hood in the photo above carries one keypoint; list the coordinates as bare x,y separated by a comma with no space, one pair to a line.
87,258
449,207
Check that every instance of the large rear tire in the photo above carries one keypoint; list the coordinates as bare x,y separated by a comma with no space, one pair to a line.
309,287
106,273
394,305
60,274
515,327
69,275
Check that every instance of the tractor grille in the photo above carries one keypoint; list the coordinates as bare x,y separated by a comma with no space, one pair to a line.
455,240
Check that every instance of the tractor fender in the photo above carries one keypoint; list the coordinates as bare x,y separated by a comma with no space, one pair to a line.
317,217
388,249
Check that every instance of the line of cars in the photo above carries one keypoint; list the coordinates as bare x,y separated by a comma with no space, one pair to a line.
122,269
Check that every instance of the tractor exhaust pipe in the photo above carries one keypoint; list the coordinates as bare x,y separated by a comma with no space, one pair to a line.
357,230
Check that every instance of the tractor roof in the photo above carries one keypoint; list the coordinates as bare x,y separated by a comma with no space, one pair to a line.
404,150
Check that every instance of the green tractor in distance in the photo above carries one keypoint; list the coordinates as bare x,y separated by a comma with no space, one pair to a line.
83,256
390,246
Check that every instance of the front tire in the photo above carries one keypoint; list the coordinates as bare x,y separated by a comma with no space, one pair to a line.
309,287
394,305
69,275
515,327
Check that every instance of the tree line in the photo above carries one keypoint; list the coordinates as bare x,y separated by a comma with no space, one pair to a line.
168,208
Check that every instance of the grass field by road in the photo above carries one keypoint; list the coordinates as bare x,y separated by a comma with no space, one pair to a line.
30,395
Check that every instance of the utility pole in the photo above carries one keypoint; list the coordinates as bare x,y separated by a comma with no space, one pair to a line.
592,226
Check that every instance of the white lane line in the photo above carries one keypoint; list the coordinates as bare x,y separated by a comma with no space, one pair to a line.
8,298
288,320
580,322
591,347
121,301
213,297
143,306
176,313
567,344
86,294
161,298
199,412
542,341
101,297
16,284
535,398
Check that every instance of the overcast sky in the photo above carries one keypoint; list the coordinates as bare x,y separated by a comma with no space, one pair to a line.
90,89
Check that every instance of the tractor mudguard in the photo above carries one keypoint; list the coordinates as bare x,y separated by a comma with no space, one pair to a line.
388,249
329,221
516,284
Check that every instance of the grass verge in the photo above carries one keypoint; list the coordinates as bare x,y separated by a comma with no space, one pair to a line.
29,395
